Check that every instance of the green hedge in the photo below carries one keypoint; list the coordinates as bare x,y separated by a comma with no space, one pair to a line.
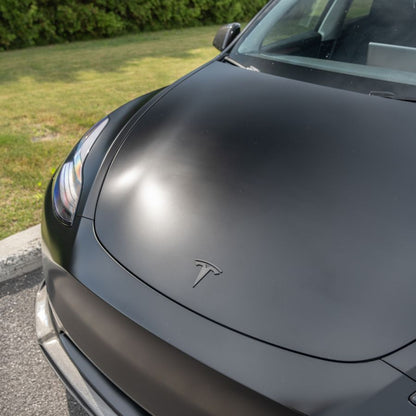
39,22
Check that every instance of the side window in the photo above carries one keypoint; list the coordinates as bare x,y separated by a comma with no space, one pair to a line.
304,16
358,10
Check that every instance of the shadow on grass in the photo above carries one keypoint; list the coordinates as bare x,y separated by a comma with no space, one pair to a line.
64,62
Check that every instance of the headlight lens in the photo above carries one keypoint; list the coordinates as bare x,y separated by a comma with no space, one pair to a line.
68,182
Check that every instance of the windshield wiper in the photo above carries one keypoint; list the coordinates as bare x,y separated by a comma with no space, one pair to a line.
392,96
235,63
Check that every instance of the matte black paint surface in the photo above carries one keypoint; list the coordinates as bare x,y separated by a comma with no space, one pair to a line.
312,386
404,360
303,195
111,394
164,380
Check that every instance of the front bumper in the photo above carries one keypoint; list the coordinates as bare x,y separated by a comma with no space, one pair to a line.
61,354
149,371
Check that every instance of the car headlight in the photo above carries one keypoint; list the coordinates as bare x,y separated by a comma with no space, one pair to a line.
68,182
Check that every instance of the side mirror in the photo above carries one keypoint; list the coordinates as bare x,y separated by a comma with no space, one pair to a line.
225,35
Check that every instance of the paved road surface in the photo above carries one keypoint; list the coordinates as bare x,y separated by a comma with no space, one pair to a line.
28,386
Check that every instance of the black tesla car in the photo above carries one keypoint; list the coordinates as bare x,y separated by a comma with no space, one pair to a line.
243,241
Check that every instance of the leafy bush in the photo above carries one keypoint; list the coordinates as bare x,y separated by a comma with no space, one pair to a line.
18,23
38,22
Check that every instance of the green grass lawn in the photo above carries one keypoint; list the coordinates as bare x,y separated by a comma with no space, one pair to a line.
50,95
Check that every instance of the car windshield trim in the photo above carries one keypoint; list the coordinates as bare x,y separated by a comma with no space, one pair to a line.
363,71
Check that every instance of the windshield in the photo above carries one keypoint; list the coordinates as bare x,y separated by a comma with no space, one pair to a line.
362,45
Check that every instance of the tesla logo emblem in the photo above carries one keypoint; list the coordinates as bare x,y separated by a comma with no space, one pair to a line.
206,269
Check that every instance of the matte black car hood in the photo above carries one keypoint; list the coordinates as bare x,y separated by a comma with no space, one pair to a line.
304,196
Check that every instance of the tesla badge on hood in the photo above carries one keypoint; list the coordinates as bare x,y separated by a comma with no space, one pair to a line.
206,268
